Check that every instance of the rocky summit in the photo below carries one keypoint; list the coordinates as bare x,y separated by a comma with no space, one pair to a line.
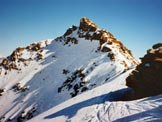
146,79
87,25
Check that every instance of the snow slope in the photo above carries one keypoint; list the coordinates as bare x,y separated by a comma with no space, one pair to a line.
97,105
41,76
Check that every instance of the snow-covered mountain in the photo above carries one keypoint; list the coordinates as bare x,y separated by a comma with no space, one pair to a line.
101,104
43,75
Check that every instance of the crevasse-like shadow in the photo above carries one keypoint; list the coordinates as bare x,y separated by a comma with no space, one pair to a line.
72,110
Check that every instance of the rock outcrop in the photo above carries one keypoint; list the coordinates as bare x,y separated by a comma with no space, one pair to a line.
146,80
70,30
87,25
107,43
90,31
13,61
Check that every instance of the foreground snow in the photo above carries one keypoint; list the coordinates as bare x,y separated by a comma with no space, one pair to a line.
97,105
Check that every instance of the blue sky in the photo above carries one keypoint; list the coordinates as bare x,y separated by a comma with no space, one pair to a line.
137,23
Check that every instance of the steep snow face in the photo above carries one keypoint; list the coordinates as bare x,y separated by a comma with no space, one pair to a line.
40,76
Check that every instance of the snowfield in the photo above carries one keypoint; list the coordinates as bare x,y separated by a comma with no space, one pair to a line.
97,105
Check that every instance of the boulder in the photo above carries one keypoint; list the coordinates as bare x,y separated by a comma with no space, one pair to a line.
146,80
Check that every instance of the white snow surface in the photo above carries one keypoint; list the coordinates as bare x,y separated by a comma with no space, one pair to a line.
96,105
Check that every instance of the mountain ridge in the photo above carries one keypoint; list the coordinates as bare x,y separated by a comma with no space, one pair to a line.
54,71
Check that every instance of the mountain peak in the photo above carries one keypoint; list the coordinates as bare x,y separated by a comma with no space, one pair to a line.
87,25
54,71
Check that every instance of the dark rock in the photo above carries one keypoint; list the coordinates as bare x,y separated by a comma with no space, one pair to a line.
111,56
105,49
146,80
68,32
59,89
1,90
76,87
72,40
73,94
157,45
87,25
96,36
64,71
74,27
84,89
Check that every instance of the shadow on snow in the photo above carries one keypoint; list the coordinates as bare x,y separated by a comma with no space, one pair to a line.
72,110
